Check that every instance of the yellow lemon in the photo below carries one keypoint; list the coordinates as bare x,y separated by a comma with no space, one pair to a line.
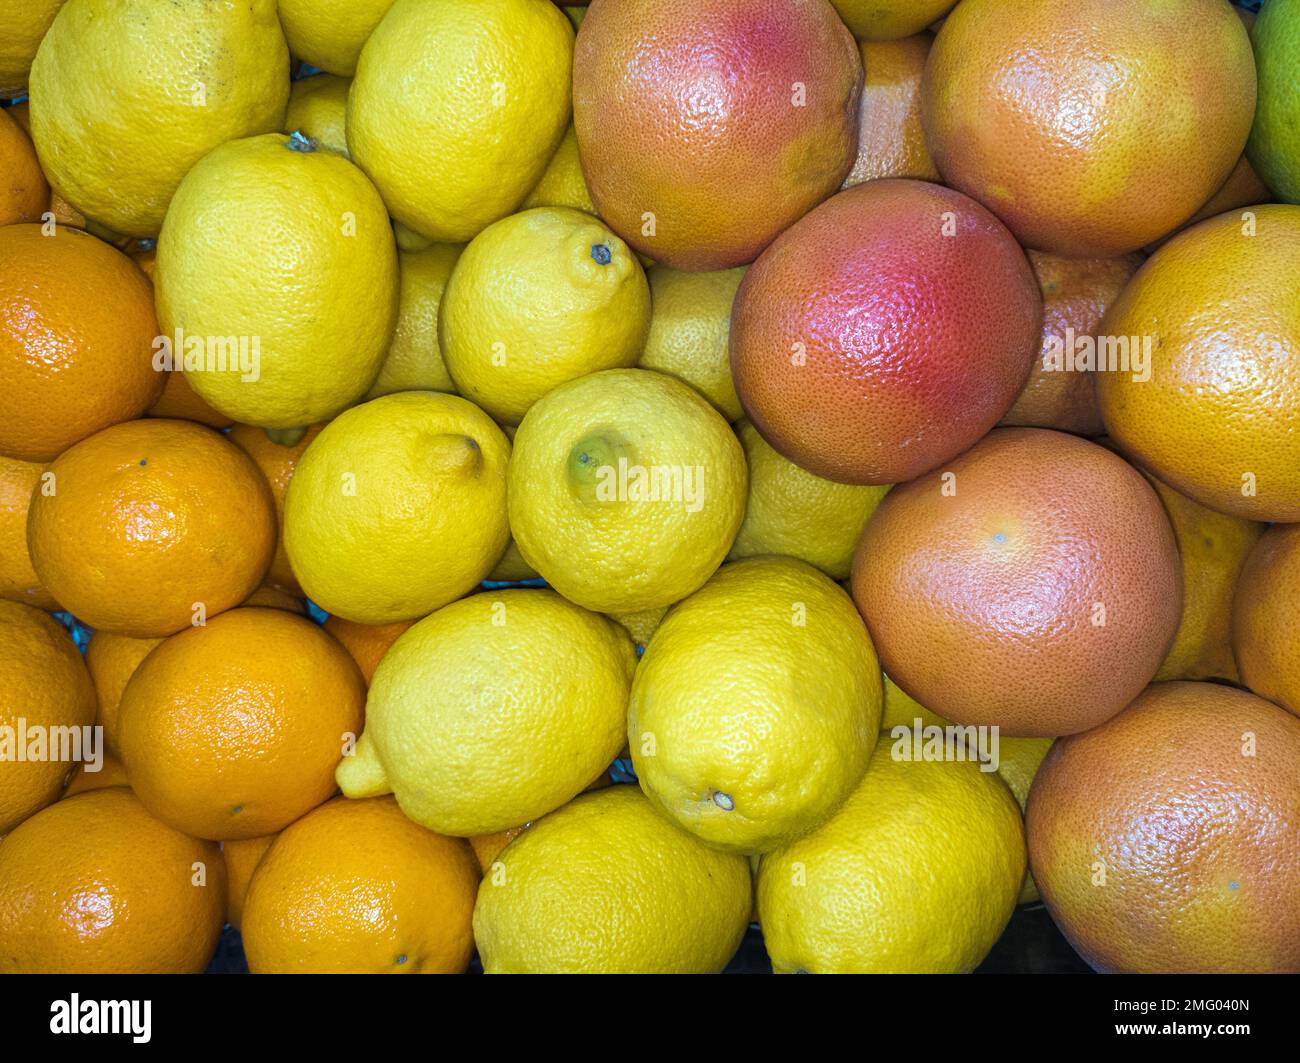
918,872
642,624
329,33
317,109
626,490
283,253
512,567
1018,763
562,184
127,95
756,705
458,106
414,360
606,885
689,331
791,511
537,299
25,22
493,711
398,507
903,710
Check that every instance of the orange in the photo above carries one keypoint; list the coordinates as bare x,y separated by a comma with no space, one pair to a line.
76,332
888,20
355,886
275,598
1243,188
366,642
1076,293
1165,841
18,479
96,885
112,661
23,191
64,212
151,526
43,684
699,150
1216,412
1033,584
242,857
1265,621
277,461
180,401
233,730
891,142
885,332
111,773
487,847
1091,128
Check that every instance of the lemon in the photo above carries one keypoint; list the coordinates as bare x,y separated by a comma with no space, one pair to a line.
317,109
538,298
493,711
626,490
562,184
903,710
414,360
1274,145
756,705
605,885
127,95
1018,763
918,872
791,511
410,240
458,106
690,329
25,22
286,251
398,507
512,567
329,33
642,624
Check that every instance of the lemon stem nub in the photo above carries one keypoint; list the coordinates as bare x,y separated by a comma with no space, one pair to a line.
602,254
300,142
723,801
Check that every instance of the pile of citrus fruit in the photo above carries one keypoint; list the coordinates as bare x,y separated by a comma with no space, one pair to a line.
870,426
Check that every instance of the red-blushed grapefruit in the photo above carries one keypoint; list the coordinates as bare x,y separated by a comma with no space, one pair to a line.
1091,128
1165,840
706,127
1033,584
884,333
1076,292
1265,618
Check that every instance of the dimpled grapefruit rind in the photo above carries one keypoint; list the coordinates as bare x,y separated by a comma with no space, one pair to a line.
1164,841
707,127
1039,567
1091,128
1265,621
1219,418
885,332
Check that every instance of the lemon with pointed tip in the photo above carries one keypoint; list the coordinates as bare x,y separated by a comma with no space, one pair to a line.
537,299
398,507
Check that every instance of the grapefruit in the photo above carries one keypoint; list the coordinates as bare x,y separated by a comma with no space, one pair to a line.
1265,625
1038,567
706,127
1091,128
891,141
1164,841
884,333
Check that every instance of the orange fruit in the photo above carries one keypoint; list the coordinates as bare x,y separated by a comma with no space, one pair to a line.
1243,188
885,332
1091,128
18,479
151,524
23,191
112,772
1165,841
1216,413
233,730
767,89
487,847
181,402
277,461
242,857
112,661
1076,293
1038,567
891,142
76,332
888,20
276,598
96,885
1265,623
355,886
366,642
43,684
